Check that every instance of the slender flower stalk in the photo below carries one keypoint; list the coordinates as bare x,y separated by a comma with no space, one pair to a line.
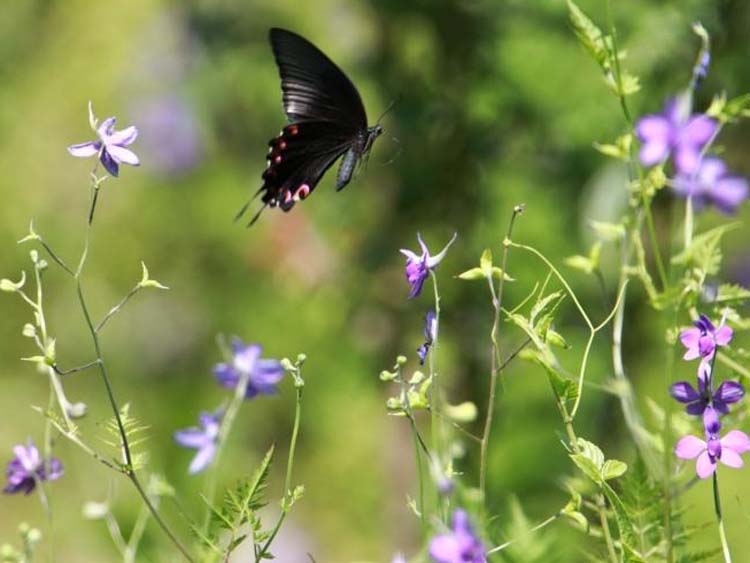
722,534
497,302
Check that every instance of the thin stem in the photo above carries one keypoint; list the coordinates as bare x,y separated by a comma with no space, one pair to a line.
420,471
76,369
526,533
434,386
497,300
59,261
126,452
722,533
116,309
288,494
135,536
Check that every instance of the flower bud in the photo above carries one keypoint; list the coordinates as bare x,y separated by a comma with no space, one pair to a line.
29,330
386,375
12,287
401,360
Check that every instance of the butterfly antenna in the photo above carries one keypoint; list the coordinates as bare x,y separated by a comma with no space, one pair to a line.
389,108
256,216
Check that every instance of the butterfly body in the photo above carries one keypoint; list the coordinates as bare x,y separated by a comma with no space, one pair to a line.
327,121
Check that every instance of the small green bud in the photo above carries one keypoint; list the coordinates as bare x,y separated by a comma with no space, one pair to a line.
34,256
76,410
417,378
393,404
287,364
386,375
42,265
148,282
301,359
23,528
34,535
465,412
7,553
12,287
401,360
29,330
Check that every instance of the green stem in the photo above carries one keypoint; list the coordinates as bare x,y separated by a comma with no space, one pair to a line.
288,494
719,519
497,301
434,386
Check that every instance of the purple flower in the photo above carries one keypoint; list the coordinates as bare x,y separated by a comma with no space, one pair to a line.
712,183
418,266
673,132
727,449
702,340
458,546
399,558
27,468
701,68
696,401
202,439
263,375
110,145
430,334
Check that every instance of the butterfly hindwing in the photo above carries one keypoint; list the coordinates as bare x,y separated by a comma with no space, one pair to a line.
297,160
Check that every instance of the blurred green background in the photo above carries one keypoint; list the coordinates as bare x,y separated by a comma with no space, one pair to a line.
497,105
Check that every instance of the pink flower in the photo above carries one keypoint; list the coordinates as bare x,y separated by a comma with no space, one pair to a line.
702,340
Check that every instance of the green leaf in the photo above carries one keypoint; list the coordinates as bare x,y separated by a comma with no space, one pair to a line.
590,36
588,467
731,292
485,262
472,274
704,252
613,468
620,149
608,231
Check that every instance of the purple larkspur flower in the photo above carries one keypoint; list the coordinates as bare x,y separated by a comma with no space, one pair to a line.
713,449
460,545
27,468
673,132
430,333
263,374
702,339
696,400
712,184
418,266
110,144
202,439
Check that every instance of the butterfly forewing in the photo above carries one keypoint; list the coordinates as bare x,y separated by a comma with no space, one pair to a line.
314,88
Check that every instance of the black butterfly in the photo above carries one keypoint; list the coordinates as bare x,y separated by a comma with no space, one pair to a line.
327,120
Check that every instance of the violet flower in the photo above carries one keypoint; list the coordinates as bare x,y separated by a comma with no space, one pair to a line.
110,145
727,449
430,334
702,340
460,545
696,401
673,132
712,184
27,468
418,266
202,439
263,374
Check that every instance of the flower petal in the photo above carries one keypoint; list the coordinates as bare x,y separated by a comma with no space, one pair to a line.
698,131
704,467
729,392
191,438
204,457
723,335
433,261
123,155
410,255
445,549
737,441
689,447
731,458
85,150
683,392
245,357
729,192
105,129
226,375
109,163
124,137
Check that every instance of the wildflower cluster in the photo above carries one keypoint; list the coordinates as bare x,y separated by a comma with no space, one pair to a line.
245,372
703,341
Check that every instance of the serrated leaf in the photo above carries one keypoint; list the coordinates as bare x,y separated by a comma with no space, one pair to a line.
590,36
545,305
731,292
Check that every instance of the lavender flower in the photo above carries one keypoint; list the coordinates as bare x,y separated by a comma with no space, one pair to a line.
110,145
702,340
696,401
418,266
673,132
263,375
727,449
27,468
202,439
430,334
712,184
460,545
